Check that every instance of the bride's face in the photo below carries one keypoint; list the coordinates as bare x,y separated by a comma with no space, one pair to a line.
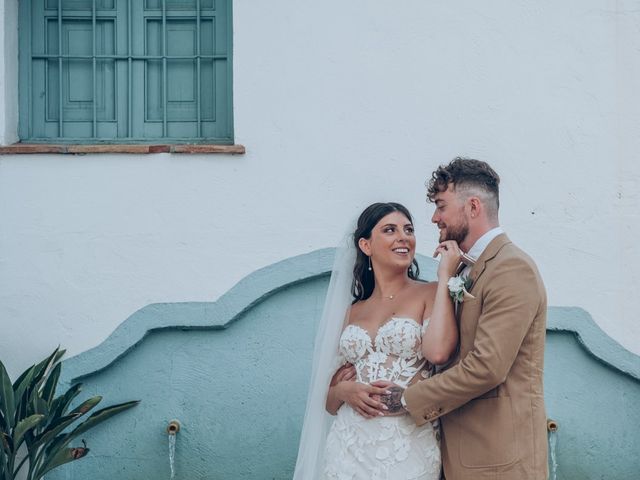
392,243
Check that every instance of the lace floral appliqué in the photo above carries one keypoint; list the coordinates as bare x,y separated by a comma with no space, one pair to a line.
383,448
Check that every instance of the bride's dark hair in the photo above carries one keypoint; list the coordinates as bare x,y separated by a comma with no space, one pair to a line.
363,279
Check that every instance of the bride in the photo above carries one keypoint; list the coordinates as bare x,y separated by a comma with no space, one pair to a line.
381,323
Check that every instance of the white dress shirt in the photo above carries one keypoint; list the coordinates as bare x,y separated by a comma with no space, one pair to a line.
477,248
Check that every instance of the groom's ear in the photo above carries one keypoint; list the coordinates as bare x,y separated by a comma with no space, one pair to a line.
475,206
363,243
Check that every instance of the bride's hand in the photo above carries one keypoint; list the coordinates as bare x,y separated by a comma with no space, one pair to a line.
360,397
450,257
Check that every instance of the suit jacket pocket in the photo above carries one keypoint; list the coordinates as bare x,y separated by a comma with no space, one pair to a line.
487,433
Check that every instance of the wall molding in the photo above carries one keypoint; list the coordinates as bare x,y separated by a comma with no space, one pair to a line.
267,281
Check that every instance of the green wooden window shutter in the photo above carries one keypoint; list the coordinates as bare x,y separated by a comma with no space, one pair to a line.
123,71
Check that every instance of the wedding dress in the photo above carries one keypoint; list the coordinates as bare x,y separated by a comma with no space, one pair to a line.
382,448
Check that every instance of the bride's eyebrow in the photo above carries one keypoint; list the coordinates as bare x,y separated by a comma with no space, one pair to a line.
395,225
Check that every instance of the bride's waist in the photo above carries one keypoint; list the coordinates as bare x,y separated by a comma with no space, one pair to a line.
347,413
399,372
401,382
366,374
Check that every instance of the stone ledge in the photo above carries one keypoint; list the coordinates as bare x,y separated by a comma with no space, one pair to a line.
80,149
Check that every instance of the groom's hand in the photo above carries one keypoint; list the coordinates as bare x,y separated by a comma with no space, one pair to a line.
362,397
345,373
392,399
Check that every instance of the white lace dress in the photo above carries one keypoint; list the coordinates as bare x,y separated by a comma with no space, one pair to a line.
384,447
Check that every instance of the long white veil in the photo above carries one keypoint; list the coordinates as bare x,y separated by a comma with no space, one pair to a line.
325,362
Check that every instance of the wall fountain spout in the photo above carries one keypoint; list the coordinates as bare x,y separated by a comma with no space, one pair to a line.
172,430
552,428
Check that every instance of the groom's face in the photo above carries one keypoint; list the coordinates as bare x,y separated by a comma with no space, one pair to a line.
450,216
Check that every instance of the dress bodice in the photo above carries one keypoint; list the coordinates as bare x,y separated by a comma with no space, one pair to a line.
394,354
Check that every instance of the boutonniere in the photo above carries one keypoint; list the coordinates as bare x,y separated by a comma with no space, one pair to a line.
459,287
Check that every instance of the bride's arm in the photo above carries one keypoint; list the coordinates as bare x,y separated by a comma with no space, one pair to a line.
441,335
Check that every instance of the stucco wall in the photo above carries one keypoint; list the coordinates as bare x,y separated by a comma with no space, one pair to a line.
167,355
340,104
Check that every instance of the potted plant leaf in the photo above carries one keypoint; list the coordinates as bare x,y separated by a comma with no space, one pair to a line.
32,415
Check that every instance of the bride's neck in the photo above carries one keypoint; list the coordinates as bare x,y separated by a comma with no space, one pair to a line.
389,284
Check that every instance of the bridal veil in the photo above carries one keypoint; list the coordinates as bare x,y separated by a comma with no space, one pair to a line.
325,362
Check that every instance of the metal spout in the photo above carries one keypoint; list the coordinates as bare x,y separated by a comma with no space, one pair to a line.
173,427
552,425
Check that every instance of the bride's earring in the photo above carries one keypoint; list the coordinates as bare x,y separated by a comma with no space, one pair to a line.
370,264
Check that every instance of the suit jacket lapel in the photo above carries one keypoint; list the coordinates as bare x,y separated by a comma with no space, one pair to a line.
489,253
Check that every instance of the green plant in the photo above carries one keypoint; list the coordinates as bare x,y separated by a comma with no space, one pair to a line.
31,414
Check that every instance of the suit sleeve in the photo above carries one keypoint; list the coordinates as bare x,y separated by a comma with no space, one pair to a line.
511,301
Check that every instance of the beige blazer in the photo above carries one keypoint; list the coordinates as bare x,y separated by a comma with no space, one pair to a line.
490,399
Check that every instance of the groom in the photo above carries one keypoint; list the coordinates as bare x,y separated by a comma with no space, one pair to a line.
490,397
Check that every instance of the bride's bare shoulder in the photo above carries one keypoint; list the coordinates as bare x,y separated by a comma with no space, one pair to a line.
356,311
426,290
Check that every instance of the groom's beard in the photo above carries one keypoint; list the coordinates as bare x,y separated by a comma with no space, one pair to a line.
455,232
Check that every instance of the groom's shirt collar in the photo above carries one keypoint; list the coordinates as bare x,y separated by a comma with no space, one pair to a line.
476,250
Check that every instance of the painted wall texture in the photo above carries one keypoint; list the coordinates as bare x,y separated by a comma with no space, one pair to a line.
340,104
235,374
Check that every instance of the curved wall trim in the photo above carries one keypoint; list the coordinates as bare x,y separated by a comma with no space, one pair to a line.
251,290
593,339
261,284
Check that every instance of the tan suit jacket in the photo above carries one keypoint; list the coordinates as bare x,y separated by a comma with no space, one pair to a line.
490,400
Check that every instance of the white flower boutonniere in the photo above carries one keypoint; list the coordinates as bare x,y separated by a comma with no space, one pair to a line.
458,288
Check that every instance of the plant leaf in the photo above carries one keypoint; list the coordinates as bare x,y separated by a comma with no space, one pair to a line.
100,416
22,381
62,456
40,406
23,426
49,389
7,443
21,389
85,406
56,447
3,426
63,422
7,404
59,405
54,429
42,369
54,444
3,463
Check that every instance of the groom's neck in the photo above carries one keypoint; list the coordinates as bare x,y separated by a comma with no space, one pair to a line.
476,230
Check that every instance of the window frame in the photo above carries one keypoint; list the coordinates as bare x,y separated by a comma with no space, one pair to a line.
26,87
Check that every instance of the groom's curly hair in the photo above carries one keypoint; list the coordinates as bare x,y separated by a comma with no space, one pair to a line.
469,177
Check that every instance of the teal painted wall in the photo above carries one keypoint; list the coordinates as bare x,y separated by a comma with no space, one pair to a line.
234,372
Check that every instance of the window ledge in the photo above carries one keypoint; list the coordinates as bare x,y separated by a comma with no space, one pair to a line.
81,149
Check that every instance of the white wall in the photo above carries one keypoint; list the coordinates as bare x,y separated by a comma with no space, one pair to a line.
340,104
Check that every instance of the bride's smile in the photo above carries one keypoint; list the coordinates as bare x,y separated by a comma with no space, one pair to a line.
392,243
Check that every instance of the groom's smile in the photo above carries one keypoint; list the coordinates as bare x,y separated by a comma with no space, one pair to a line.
449,216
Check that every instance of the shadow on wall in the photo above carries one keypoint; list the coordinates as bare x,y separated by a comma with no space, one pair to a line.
235,374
